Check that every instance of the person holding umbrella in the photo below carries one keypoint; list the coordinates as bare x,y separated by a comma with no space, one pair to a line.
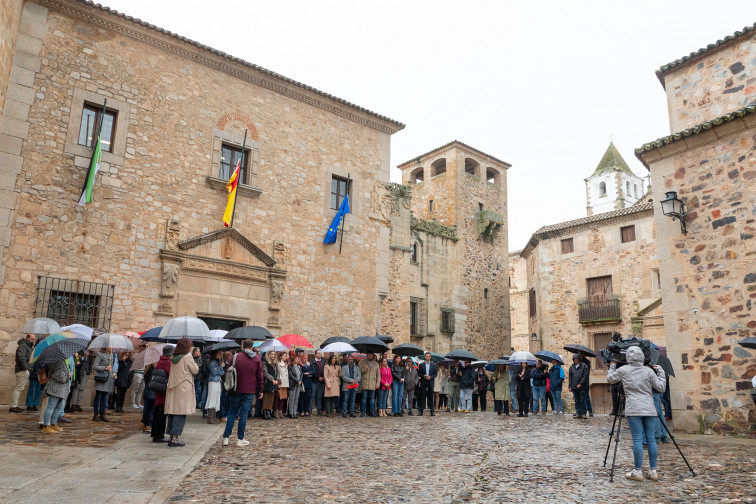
556,378
539,376
466,385
104,382
57,388
524,392
500,379
579,384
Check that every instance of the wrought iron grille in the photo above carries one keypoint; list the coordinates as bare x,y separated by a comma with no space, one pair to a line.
599,311
75,302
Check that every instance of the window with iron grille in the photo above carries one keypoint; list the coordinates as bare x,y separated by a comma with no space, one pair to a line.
447,320
413,253
413,317
75,302
532,302
568,246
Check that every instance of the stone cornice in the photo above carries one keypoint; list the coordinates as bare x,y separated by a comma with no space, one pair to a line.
138,30
433,228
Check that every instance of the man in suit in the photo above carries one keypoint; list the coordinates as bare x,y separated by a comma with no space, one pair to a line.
350,378
427,372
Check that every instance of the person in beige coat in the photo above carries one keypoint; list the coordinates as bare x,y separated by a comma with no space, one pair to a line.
332,378
179,398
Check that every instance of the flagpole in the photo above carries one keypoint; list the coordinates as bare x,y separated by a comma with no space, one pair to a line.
343,217
236,193
94,143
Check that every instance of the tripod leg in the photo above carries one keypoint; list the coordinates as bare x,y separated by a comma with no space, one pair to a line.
611,435
616,445
676,445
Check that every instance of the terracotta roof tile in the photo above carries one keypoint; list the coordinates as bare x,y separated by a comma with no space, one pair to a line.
449,145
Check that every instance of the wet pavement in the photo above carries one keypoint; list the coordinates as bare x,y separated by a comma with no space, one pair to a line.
457,457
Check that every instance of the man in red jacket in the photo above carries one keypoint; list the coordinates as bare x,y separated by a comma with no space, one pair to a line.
249,381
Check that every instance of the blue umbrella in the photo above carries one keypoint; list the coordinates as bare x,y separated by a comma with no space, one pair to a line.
549,356
152,335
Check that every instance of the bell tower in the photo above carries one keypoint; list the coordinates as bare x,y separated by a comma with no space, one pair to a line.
613,185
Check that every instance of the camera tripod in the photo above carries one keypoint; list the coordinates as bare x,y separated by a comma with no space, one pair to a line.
618,415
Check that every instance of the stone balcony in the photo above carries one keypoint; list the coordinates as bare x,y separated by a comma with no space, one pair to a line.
489,222
599,312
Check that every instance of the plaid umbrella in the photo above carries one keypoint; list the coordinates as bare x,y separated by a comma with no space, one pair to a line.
149,356
42,344
60,350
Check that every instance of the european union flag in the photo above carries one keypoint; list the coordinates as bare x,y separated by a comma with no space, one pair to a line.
330,236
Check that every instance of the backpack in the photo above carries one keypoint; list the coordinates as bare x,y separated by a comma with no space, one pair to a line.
42,376
159,382
230,382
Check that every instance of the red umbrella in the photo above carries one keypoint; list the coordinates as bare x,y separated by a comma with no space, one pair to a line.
294,340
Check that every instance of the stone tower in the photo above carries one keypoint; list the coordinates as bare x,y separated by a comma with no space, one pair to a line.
613,185
464,189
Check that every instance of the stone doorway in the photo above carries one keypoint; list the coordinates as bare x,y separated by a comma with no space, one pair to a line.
221,323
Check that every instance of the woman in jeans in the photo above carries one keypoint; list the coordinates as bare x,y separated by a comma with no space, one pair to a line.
102,366
398,371
215,373
57,388
639,383
384,388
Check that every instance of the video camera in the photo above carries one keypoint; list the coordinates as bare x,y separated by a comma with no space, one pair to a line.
617,350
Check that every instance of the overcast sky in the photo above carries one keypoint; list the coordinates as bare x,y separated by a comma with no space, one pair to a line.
543,85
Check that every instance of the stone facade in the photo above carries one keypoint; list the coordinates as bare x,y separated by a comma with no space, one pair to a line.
518,301
708,276
10,19
153,234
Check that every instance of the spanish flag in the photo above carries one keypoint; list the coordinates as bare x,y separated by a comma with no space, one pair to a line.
233,181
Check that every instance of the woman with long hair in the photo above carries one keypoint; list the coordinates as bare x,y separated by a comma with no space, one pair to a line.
180,399
524,392
500,380
295,385
385,386
123,379
215,373
279,401
270,384
398,372
332,378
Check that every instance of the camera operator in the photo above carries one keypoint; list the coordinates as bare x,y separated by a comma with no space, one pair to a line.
639,382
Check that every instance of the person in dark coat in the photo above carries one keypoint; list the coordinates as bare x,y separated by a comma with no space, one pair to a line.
410,382
539,376
148,400
23,354
481,390
158,415
123,380
524,392
579,372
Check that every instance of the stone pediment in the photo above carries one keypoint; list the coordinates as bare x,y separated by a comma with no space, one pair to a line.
228,244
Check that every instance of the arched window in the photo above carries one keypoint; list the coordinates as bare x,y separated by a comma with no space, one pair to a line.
471,166
627,192
485,293
417,176
635,187
602,189
492,176
413,252
430,206
439,166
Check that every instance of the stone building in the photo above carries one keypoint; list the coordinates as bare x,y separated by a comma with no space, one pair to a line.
708,278
590,277
612,185
152,244
518,301
449,252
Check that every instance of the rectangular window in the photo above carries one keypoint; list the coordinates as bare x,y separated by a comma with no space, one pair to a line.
532,302
75,302
567,246
230,156
430,206
447,320
413,318
655,280
600,289
339,190
600,341
628,234
90,122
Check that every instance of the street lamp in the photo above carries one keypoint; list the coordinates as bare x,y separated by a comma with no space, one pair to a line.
673,207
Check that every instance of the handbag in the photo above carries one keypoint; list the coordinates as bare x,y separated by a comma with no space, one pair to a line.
159,382
101,376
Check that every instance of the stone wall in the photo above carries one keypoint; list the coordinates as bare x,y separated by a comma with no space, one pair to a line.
708,276
518,301
10,19
171,110
718,82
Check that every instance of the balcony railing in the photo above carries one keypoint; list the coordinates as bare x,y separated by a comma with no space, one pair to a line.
599,312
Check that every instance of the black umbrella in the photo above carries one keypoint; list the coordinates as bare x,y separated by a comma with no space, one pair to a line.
369,344
749,342
659,359
407,350
580,348
152,335
254,333
221,345
385,338
60,350
334,339
500,362
461,354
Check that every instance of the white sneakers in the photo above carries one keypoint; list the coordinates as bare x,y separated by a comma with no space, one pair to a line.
652,475
225,441
635,475
242,442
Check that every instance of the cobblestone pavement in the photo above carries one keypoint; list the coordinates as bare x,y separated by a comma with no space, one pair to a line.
456,457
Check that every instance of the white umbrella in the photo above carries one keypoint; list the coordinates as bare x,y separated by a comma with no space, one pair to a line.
339,347
185,327
273,345
519,357
216,335
41,325
478,363
80,330
116,342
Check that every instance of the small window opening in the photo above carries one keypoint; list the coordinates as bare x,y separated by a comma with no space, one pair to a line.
471,166
430,206
439,166
602,189
492,176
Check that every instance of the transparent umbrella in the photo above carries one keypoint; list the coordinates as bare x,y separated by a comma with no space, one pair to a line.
41,325
185,327
117,342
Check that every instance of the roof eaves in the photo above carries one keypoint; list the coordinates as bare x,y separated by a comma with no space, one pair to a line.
557,229
695,130
665,69
396,124
445,146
